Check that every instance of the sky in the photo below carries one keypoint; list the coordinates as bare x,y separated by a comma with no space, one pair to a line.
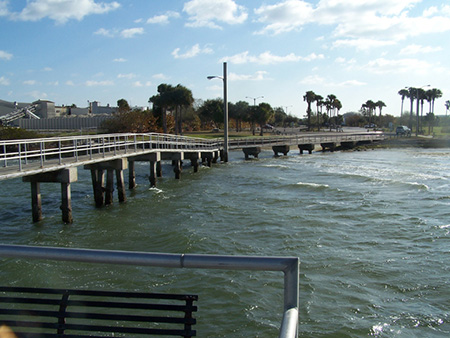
75,51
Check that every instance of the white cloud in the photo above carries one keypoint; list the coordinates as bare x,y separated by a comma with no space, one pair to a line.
4,81
418,49
163,19
63,10
258,76
120,60
284,16
131,32
29,82
401,66
70,83
313,80
194,51
104,32
316,80
362,44
5,55
38,95
160,76
47,69
361,24
4,8
267,58
99,83
140,84
126,76
206,13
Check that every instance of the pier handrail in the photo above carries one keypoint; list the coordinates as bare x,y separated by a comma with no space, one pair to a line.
298,139
288,265
20,152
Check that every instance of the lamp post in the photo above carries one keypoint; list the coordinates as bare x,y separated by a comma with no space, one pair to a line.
254,99
225,110
254,109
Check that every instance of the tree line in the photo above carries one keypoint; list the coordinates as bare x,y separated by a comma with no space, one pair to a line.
332,106
175,110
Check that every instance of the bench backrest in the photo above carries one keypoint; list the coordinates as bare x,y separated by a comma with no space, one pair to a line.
37,312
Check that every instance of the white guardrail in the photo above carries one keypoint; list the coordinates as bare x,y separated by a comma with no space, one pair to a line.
20,152
304,139
288,265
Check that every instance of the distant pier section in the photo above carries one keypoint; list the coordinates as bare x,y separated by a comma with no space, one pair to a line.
107,156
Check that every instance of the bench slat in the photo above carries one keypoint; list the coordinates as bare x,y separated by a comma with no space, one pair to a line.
86,313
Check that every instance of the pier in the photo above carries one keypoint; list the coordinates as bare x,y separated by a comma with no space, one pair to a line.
56,160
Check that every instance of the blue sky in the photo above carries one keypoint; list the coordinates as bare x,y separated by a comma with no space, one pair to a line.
74,51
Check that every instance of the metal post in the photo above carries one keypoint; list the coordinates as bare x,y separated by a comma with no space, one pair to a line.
225,100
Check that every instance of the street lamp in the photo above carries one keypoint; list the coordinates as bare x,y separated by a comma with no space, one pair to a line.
225,109
254,99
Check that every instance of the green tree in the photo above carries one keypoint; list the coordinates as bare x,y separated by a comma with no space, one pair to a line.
238,112
447,106
412,93
279,117
319,104
435,94
211,113
403,93
309,97
380,104
181,98
123,106
162,102
263,113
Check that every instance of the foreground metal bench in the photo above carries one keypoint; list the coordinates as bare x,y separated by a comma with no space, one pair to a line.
39,312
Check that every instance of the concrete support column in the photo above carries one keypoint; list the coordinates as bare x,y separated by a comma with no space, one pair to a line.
109,188
36,201
284,149
97,175
194,163
131,175
66,203
251,151
97,185
158,169
308,147
177,168
153,173
62,176
120,186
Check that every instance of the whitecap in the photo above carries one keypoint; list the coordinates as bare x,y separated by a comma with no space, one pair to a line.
156,190
314,185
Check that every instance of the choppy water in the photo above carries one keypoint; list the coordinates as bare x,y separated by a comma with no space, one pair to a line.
371,230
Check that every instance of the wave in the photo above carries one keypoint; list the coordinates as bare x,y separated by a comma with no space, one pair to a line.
313,185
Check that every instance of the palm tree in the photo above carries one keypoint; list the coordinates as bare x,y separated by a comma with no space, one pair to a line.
330,105
403,93
319,103
309,97
369,106
436,94
380,105
412,95
181,98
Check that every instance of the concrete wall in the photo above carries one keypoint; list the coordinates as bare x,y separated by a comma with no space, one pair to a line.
63,123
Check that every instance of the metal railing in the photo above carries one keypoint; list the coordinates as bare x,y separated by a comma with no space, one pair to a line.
288,265
21,152
303,139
